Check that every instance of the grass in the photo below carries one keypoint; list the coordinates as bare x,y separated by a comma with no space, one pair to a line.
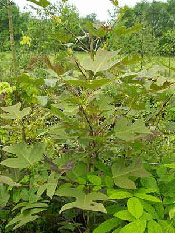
5,65
81,55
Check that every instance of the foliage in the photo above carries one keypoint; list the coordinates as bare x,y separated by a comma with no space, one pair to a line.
157,22
87,145
20,24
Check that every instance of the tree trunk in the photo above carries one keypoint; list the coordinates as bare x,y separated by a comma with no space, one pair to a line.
12,41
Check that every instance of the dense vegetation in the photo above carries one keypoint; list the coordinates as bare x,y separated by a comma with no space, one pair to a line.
87,139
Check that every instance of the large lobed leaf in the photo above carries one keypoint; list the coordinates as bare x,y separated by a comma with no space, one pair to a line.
50,186
13,112
27,215
26,156
122,174
126,131
83,201
91,84
104,60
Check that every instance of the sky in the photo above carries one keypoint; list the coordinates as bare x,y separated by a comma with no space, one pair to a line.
85,7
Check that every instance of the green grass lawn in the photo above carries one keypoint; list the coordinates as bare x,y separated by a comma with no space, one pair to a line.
5,65
81,55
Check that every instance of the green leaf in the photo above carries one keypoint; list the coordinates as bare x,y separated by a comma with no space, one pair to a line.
126,131
115,2
107,226
117,230
154,227
42,3
41,189
95,180
125,215
104,60
26,156
22,219
4,196
150,209
159,207
112,209
50,186
147,197
78,173
166,226
125,31
108,181
14,112
171,165
43,100
51,82
7,180
119,194
135,207
149,183
91,84
83,201
121,173
25,217
43,206
137,226
146,216
172,213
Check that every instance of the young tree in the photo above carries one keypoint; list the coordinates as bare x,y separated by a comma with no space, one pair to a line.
12,40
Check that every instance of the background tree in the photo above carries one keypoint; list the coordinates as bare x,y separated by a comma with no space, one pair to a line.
19,19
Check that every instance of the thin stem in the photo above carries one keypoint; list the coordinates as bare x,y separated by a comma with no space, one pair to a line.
12,40
23,132
79,67
73,35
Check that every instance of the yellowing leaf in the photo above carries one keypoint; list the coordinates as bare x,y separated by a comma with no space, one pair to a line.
56,19
6,88
26,40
